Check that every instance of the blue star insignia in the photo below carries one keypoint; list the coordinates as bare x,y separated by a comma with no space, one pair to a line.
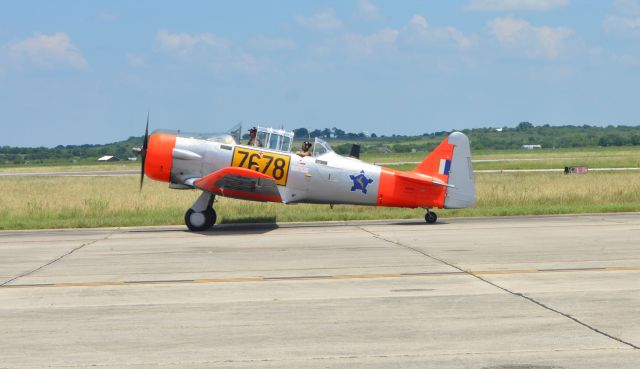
360,182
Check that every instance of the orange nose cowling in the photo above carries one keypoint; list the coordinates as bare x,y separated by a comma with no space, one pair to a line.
160,156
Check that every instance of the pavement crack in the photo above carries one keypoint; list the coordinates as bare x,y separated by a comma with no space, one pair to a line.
517,294
55,260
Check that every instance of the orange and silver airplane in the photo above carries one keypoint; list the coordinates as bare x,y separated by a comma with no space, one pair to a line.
268,170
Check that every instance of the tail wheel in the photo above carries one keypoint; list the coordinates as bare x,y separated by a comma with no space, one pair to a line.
430,217
200,221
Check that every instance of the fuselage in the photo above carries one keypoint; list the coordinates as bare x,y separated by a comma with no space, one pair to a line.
324,178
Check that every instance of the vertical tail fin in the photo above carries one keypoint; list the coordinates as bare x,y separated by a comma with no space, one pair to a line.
450,162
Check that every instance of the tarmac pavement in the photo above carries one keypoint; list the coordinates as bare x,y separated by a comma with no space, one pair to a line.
514,292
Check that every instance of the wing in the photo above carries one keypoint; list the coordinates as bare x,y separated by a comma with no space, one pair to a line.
240,183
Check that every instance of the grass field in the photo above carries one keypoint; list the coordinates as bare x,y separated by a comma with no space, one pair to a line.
599,157
56,202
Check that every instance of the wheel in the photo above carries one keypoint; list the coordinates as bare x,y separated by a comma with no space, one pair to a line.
430,217
200,221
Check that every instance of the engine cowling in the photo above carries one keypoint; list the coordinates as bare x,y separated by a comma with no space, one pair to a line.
159,157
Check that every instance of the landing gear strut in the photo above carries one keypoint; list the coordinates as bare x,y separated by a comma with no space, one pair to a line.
201,215
430,217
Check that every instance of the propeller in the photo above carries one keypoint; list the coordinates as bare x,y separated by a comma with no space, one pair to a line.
142,152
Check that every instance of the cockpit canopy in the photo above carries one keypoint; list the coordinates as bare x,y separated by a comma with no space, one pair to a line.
321,147
274,139
267,138
281,140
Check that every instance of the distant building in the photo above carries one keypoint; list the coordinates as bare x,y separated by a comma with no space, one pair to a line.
531,147
382,149
108,158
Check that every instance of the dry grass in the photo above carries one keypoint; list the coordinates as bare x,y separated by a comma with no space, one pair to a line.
555,193
596,157
52,202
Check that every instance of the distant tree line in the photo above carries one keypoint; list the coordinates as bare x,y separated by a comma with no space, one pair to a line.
327,133
67,153
553,136
568,136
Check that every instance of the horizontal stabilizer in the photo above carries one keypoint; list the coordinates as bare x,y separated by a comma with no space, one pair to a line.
422,178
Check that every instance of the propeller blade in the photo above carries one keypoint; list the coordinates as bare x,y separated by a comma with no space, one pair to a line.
143,151
146,135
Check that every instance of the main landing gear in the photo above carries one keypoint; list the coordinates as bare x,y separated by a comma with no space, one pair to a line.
430,217
201,215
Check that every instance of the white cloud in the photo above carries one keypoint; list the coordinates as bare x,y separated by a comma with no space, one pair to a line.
183,44
48,52
418,33
268,44
245,62
515,5
360,45
418,30
613,23
625,19
207,50
325,20
368,10
520,36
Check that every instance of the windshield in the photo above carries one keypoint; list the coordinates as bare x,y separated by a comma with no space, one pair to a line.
321,147
286,143
274,142
262,139
236,132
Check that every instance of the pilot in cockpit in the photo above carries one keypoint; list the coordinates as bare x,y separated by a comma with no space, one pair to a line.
305,149
253,137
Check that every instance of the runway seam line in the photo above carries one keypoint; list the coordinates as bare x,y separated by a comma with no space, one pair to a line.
54,260
517,294
316,277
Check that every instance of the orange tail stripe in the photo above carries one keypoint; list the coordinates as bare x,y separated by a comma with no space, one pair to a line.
395,190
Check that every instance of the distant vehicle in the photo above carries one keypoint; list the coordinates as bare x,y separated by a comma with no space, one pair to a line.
531,147
580,169
268,170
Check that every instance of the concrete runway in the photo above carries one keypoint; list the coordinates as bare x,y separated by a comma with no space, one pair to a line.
518,292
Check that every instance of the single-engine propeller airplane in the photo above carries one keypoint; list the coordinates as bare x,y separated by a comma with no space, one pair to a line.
267,170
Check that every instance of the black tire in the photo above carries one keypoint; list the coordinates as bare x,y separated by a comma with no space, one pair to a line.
430,217
200,221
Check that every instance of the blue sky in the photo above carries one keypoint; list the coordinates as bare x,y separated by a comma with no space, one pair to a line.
74,72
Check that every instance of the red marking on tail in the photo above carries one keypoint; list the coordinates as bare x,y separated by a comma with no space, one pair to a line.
419,187
435,164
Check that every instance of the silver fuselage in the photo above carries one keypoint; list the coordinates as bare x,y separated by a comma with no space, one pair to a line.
326,178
